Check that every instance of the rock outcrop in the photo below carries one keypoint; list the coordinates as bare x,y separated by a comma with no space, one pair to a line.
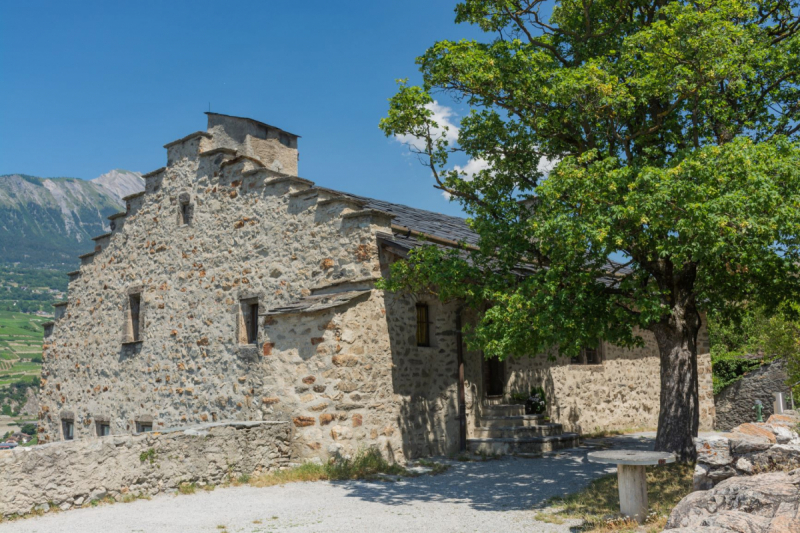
747,450
763,503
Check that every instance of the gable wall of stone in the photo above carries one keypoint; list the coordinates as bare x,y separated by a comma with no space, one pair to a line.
249,236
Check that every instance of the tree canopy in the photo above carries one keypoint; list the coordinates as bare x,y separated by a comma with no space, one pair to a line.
672,132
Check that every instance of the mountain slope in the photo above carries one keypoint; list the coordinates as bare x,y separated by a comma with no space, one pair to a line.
49,221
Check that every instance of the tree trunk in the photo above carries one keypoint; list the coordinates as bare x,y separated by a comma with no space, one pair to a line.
679,414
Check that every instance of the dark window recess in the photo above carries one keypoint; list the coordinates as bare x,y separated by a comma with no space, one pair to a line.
285,140
68,427
186,213
135,306
103,429
144,427
423,326
252,324
588,356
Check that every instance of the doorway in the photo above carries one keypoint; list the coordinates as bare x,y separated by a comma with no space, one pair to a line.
494,377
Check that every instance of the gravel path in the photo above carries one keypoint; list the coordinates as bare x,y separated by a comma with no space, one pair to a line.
497,495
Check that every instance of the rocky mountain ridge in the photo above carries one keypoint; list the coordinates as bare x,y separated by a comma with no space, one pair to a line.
49,221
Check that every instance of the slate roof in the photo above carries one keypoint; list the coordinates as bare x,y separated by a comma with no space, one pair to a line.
428,222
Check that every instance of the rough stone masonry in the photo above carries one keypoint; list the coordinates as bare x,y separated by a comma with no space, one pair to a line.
232,289
74,473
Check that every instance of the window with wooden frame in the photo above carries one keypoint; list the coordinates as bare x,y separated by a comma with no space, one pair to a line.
589,356
103,429
248,321
135,316
68,428
144,427
423,325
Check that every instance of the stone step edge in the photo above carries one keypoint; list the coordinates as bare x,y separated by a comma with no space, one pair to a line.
548,438
512,417
522,428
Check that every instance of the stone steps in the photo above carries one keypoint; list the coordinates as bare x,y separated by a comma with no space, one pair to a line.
503,410
506,446
516,420
540,430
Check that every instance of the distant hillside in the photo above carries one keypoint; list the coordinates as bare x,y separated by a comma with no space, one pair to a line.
50,221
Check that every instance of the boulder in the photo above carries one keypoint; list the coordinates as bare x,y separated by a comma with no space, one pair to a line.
713,451
764,503
757,430
789,419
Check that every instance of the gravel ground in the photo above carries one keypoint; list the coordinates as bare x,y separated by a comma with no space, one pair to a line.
495,495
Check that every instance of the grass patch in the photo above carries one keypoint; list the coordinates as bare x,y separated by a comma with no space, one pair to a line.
598,504
187,488
367,464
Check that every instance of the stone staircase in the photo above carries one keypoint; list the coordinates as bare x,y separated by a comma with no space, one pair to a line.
506,429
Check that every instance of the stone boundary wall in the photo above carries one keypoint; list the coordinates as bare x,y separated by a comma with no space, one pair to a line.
748,449
735,402
73,473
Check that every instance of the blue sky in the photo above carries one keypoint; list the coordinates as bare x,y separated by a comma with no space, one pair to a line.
90,86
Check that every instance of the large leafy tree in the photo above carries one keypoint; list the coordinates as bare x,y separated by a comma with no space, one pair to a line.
673,129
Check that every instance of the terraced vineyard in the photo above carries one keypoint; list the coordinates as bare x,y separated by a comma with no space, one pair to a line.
20,347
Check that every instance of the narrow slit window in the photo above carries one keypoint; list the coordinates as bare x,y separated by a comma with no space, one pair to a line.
68,427
135,305
186,210
423,326
252,324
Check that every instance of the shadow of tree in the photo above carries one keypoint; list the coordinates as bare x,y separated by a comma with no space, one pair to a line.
509,483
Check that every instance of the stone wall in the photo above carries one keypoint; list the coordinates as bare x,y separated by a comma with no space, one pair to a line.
73,473
748,449
621,393
735,402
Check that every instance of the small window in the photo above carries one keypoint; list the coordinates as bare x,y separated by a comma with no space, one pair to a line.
285,140
186,214
144,427
68,427
423,326
252,325
103,429
248,321
134,308
588,356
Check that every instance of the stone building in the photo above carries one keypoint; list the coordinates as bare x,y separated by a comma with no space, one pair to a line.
232,289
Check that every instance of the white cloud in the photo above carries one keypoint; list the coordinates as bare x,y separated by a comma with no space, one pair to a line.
441,115
469,170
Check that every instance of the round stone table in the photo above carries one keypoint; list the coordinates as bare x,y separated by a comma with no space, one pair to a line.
631,477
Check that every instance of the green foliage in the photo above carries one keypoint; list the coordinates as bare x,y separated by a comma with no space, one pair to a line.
148,455
728,370
673,131
28,429
753,331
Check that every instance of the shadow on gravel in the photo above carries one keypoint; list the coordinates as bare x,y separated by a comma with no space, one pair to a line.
505,484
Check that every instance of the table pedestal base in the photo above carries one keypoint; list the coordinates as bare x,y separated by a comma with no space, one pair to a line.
632,491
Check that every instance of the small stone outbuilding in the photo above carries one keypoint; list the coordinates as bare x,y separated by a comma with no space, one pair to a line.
232,289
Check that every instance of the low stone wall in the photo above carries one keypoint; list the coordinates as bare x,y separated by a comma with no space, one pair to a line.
73,473
735,402
748,449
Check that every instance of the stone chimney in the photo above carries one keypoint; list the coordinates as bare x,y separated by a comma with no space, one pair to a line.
274,147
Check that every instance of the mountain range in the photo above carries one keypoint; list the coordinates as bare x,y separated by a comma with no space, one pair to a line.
50,221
